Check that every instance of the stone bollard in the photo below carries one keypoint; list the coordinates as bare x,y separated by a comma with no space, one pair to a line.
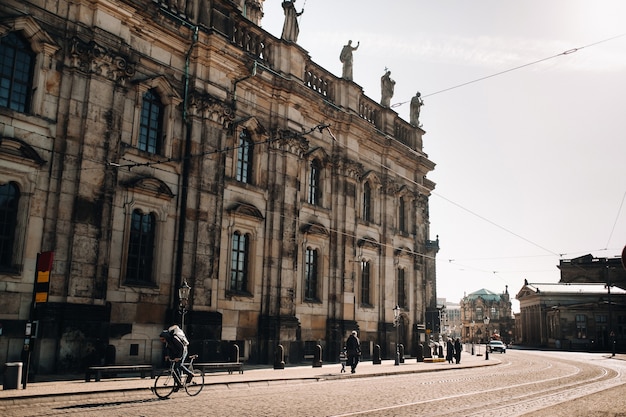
376,360
401,349
279,357
235,353
317,357
420,353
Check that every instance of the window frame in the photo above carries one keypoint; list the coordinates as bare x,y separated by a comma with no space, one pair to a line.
239,277
151,123
22,52
314,191
401,283
367,202
11,224
366,282
146,279
311,274
244,168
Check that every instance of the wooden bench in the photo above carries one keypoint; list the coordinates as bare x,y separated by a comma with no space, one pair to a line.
98,371
223,366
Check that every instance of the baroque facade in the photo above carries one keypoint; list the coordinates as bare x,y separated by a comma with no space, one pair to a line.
486,315
145,144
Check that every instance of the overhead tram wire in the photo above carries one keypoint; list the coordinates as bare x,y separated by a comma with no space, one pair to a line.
568,52
619,211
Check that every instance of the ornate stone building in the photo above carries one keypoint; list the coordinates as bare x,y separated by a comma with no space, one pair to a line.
480,305
145,144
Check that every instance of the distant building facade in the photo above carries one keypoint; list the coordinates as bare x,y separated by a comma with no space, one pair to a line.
451,323
586,310
145,144
481,305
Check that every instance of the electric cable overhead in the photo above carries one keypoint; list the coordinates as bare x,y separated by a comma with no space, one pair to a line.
568,52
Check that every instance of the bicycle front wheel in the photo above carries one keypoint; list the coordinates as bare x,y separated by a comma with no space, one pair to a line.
164,385
197,383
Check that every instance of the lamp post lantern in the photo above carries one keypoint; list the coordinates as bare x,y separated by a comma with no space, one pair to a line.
183,299
396,324
486,338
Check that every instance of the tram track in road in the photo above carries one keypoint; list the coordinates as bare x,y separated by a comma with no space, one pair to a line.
514,399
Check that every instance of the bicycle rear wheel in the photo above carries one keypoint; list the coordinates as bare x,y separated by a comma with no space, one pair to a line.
164,385
197,383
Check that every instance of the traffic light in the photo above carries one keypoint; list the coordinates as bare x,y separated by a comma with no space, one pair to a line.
42,281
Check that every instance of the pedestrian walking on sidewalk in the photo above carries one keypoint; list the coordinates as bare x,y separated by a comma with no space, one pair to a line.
457,350
449,350
353,347
343,358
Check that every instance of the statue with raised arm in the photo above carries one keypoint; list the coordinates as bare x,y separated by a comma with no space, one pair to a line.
290,28
346,59
387,86
416,105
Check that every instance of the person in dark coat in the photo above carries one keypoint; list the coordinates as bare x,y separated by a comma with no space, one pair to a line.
353,346
457,350
449,350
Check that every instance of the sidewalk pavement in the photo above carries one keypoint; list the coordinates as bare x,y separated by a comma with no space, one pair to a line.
253,375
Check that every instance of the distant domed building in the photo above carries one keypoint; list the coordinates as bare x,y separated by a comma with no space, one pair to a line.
485,314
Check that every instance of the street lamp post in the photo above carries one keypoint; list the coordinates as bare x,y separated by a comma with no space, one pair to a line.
183,299
473,336
396,324
486,338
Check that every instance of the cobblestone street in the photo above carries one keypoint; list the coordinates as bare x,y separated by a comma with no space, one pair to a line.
519,383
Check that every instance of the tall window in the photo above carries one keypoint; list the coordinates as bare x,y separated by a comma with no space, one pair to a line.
401,288
581,326
367,202
315,190
401,215
240,254
311,270
365,282
141,248
151,125
244,157
9,199
479,314
16,71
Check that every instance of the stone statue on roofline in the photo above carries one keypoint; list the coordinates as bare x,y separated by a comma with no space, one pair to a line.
346,59
416,106
290,28
387,86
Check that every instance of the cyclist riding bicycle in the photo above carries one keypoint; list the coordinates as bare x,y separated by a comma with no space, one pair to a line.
176,352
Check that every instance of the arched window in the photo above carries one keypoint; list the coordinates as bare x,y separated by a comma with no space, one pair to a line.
244,157
365,283
151,124
9,199
141,248
240,254
367,202
315,188
16,72
310,278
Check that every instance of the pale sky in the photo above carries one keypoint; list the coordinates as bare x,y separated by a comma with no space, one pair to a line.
531,163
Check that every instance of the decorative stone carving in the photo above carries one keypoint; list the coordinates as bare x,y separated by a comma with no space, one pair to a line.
95,59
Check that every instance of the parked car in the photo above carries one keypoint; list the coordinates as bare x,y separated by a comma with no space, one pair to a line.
497,346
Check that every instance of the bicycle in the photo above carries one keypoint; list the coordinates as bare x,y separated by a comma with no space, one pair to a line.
168,382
